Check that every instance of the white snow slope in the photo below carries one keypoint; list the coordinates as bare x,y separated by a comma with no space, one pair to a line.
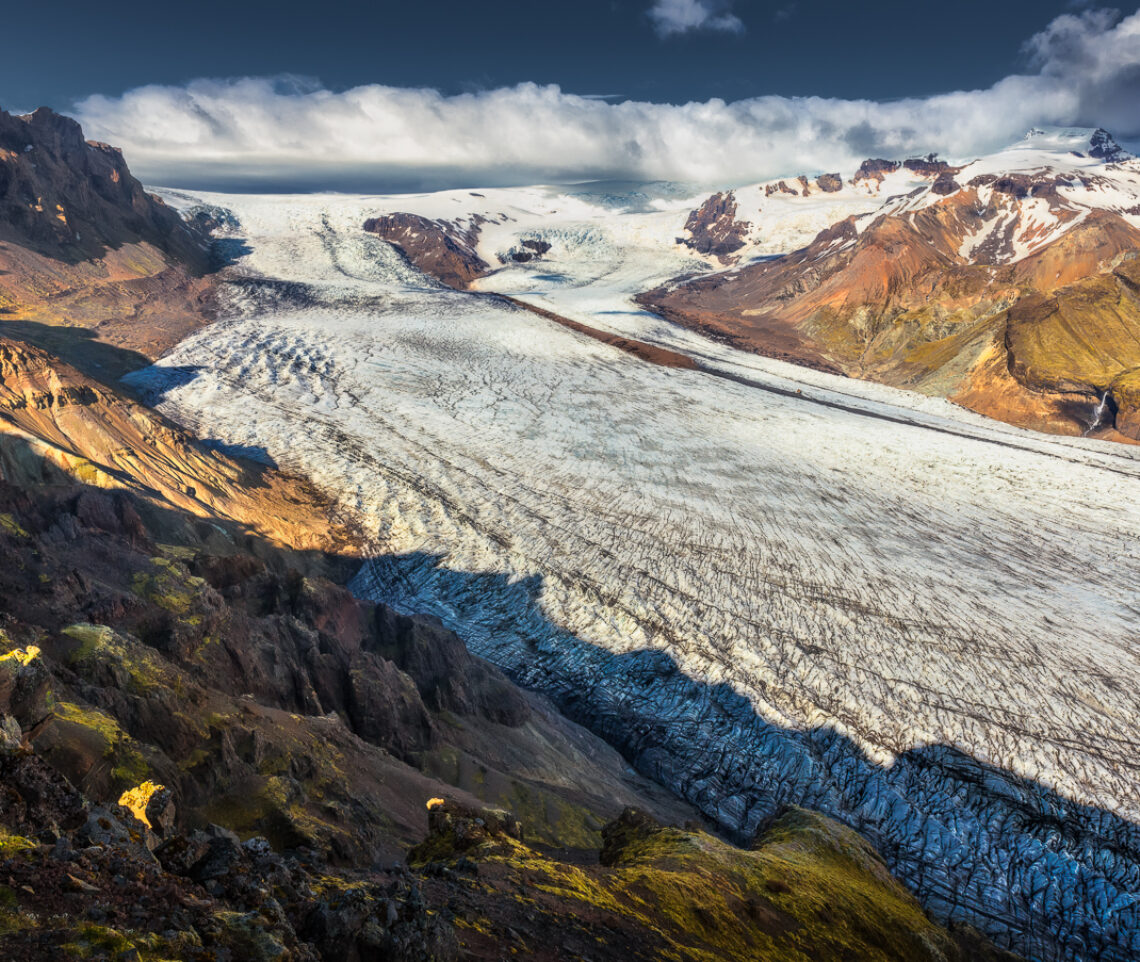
766,585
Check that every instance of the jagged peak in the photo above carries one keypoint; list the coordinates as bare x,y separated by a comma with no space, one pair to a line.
1104,146
1095,142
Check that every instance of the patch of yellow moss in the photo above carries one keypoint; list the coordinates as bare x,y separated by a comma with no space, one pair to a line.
178,552
90,718
813,891
21,656
9,524
90,941
144,669
12,844
169,586
136,799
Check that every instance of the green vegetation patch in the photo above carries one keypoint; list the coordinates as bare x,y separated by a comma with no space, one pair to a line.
90,941
10,525
811,891
12,845
169,585
145,671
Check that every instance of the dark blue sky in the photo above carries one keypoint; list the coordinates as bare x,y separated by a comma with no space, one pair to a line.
56,53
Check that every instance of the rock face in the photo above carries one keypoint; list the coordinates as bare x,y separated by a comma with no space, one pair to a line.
56,420
875,169
829,183
73,200
439,248
1104,147
1013,292
83,248
81,880
714,229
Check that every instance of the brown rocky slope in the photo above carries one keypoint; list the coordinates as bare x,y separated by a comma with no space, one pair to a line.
92,267
1001,293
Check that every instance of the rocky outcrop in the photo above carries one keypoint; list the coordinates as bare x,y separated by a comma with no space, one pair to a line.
81,880
91,266
929,166
528,249
779,187
74,199
1104,147
875,170
829,183
714,229
441,249
70,424
1124,394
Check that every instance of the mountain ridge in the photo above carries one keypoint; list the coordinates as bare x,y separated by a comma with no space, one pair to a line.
978,290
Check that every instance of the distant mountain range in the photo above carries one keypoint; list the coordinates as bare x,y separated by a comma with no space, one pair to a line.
1008,284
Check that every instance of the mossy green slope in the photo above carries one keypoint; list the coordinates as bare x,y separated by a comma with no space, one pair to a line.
811,890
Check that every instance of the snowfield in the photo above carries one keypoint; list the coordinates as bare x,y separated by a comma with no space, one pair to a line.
766,585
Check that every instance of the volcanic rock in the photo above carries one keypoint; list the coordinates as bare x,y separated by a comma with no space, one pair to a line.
714,229
984,293
439,248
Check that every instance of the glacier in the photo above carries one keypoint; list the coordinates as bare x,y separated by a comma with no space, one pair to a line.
764,584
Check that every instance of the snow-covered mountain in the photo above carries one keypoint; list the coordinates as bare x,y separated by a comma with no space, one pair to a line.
765,583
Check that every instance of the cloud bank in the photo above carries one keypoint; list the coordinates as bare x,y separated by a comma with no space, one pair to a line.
683,16
283,133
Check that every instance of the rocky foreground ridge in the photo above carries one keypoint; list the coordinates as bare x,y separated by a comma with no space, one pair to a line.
122,881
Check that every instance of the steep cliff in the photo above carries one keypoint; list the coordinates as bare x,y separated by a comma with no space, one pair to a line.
91,265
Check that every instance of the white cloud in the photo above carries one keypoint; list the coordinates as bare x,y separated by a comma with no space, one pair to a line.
271,133
682,16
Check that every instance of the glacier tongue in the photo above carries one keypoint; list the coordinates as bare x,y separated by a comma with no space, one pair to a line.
920,623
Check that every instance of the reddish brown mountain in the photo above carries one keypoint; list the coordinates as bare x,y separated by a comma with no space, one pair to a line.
1016,294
